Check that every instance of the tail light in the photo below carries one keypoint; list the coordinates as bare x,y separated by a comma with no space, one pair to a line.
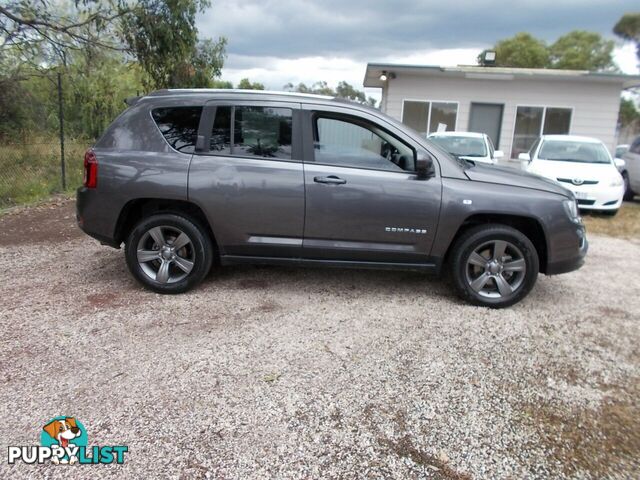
90,179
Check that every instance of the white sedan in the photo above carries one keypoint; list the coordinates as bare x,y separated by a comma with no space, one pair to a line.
476,147
581,164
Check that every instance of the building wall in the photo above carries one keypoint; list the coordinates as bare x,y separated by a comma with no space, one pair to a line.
595,105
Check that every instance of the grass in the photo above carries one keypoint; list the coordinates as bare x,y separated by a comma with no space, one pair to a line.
626,224
31,172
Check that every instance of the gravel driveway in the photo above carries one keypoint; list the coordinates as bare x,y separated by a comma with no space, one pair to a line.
307,373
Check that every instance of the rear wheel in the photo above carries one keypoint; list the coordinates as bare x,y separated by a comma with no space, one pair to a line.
168,253
494,265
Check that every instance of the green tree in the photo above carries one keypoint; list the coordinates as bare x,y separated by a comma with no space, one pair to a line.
628,113
522,50
58,26
162,36
628,28
216,83
246,84
581,50
343,90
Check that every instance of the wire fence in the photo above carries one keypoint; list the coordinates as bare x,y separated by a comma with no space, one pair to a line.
33,171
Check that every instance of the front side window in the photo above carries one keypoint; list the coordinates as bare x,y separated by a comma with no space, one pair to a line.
179,126
359,144
569,151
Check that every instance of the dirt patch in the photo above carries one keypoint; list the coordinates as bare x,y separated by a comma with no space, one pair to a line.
600,441
626,224
51,222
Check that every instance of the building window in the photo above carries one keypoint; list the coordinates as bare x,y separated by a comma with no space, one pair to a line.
429,117
531,122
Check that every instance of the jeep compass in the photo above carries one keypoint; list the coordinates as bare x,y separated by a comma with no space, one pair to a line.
187,179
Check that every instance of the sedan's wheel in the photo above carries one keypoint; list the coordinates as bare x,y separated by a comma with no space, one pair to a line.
494,265
168,253
628,193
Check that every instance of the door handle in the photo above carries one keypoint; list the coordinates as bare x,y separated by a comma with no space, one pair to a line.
330,180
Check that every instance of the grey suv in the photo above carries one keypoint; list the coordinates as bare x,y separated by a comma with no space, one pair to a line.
191,178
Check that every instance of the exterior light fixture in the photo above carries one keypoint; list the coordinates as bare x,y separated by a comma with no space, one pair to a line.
488,58
384,76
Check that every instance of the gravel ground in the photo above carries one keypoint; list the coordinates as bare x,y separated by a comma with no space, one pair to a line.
308,373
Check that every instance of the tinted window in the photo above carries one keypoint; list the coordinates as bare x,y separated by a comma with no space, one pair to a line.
221,131
635,147
355,144
179,125
262,132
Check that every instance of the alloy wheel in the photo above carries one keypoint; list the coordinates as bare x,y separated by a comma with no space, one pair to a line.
165,254
496,269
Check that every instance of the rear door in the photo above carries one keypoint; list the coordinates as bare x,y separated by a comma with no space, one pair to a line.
247,176
364,201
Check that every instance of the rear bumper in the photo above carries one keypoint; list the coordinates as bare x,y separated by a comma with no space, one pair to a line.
90,220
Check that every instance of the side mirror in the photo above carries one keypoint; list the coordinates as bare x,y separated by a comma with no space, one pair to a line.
620,163
424,166
525,157
498,154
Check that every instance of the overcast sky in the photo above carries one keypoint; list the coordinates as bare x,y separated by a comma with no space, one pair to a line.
280,41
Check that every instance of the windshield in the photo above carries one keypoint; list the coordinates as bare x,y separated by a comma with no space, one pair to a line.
461,146
572,151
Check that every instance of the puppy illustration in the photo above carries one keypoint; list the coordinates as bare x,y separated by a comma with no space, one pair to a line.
62,431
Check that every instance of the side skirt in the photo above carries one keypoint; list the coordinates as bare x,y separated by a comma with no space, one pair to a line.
431,268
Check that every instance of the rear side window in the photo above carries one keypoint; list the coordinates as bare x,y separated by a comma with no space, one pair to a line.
263,132
179,126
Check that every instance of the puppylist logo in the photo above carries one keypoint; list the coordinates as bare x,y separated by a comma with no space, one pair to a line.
63,440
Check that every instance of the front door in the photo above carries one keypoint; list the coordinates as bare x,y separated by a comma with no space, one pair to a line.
364,201
248,178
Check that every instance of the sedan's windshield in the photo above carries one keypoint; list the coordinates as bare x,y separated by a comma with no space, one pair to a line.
461,146
572,151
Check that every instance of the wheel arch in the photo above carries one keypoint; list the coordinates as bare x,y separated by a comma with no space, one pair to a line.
136,209
528,226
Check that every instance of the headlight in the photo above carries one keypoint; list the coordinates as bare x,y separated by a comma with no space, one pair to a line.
571,207
616,182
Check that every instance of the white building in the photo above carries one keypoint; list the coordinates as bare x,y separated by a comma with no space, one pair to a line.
512,105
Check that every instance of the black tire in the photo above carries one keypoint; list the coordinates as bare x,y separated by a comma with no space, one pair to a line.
197,253
628,193
518,251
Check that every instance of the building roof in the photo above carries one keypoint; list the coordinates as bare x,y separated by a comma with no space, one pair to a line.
374,70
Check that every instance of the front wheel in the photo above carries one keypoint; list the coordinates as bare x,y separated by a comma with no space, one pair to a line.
168,253
494,265
628,193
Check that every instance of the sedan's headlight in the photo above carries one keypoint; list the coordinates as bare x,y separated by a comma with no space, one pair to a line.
571,207
616,182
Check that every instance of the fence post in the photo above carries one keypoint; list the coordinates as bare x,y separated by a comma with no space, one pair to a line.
61,118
